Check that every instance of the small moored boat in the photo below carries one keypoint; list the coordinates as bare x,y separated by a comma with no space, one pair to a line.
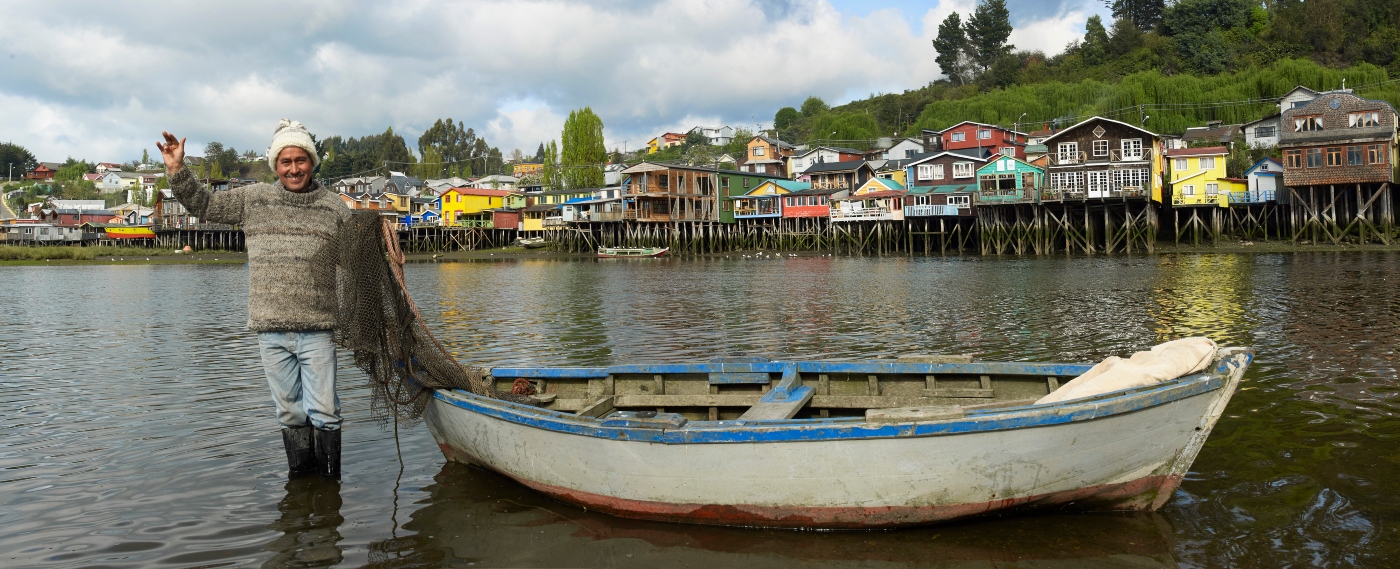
815,444
623,252
529,242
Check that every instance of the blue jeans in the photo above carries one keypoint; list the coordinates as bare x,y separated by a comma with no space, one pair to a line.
300,369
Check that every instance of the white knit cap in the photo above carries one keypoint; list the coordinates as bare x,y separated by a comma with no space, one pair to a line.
291,133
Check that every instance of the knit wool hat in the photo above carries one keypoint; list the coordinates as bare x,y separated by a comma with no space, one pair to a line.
291,133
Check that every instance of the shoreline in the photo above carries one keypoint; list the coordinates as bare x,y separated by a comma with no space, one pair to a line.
518,254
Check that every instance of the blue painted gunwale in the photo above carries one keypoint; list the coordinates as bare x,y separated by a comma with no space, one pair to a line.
805,367
849,428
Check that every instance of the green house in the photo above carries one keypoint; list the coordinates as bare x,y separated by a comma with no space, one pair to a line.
1007,179
738,183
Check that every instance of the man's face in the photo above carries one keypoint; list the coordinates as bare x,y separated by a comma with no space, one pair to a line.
294,168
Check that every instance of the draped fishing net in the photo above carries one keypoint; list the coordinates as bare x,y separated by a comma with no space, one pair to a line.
379,323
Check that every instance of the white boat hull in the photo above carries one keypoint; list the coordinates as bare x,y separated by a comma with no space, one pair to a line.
1122,461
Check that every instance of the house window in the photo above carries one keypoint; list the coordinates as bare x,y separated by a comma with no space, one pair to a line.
1264,132
1334,156
1293,158
1314,157
1212,189
758,151
1307,124
925,171
962,169
724,183
1100,148
1355,157
1008,151
984,134
1180,164
1132,148
1376,153
959,136
961,202
938,171
1358,120
1188,190
1069,152
1207,162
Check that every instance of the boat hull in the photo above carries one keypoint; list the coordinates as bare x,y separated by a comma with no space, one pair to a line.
1125,460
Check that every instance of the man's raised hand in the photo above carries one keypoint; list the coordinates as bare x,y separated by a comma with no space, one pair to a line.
173,152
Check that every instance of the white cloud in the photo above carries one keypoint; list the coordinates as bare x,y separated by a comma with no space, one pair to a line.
97,80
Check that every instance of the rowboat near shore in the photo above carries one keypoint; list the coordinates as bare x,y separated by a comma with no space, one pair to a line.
623,252
811,444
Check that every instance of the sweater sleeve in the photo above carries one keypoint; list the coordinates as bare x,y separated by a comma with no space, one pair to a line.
220,207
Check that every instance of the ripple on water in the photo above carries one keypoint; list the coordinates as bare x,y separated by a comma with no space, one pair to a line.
138,429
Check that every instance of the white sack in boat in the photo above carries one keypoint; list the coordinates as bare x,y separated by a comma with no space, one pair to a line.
1163,362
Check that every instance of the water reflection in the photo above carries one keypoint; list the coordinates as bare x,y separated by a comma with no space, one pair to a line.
475,516
310,524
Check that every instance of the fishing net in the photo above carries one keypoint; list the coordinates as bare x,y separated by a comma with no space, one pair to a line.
379,323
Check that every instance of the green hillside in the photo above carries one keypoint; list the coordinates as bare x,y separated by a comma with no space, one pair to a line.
1176,65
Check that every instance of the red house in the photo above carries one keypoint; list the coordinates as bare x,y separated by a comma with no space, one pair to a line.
76,217
815,202
44,171
968,134
503,218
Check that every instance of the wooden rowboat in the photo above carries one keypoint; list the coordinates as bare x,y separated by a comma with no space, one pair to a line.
811,444
622,252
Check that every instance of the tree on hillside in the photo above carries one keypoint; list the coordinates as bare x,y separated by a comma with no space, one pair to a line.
1199,29
1144,14
814,106
582,153
696,138
16,158
145,156
951,46
72,171
1123,38
1095,46
987,31
539,154
785,117
550,172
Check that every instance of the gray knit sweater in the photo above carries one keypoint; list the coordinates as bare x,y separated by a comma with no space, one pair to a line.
291,239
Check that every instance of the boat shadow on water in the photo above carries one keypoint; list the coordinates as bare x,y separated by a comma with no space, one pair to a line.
477,516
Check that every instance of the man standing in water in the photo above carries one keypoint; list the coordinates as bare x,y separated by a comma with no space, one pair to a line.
290,229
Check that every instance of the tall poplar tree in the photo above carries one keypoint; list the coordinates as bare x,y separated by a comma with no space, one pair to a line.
582,154
951,45
550,172
987,31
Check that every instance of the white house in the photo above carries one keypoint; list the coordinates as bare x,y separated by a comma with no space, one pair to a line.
494,182
718,136
110,182
1262,133
1265,180
903,149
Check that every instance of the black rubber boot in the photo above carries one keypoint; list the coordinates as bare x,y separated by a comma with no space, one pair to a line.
328,453
301,454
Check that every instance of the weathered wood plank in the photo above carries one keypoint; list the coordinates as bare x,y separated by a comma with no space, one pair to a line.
738,378
958,392
935,358
914,414
597,408
775,408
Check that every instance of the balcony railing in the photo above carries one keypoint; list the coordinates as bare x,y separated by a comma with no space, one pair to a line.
1221,199
553,222
1256,196
865,214
831,185
756,211
1005,196
1082,157
930,210
472,223
619,215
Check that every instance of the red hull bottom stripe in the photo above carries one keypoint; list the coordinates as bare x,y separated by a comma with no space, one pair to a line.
1148,493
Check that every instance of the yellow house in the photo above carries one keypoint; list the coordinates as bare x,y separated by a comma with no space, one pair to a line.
1198,176
526,168
467,206
653,145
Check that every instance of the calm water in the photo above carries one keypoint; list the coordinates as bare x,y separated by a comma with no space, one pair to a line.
138,431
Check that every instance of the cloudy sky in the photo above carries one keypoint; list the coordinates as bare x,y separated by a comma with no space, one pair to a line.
100,79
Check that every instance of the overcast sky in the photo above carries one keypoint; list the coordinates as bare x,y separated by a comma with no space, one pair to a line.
100,79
